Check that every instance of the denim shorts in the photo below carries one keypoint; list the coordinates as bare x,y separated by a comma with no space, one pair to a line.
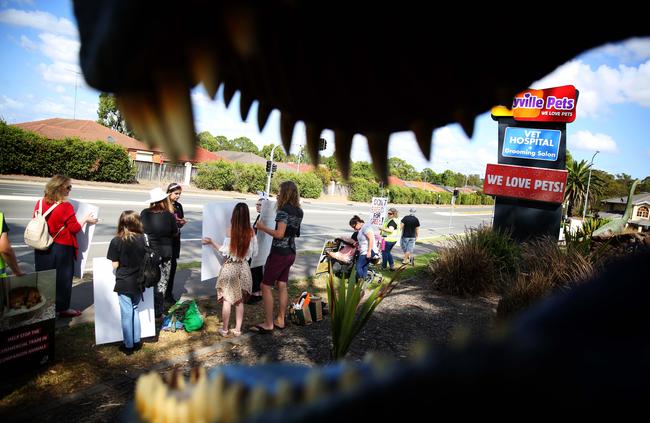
407,244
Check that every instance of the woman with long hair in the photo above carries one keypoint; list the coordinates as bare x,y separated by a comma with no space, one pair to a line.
126,251
367,245
235,282
283,253
174,190
63,226
159,225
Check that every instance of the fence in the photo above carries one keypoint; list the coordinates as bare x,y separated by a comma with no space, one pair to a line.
166,172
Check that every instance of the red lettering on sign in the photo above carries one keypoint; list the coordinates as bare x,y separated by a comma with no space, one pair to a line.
530,183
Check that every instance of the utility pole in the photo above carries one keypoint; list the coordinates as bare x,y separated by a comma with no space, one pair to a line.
584,209
270,171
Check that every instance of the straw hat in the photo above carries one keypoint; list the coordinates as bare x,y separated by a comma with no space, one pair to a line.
155,195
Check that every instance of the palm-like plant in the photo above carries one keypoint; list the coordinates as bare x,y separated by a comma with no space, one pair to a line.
347,313
576,184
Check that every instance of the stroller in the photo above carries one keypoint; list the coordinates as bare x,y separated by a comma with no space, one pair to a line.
344,256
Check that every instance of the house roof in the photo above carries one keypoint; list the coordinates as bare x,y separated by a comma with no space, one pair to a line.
250,158
643,197
394,180
88,130
425,186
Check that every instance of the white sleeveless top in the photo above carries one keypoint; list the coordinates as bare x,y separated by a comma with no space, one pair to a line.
251,252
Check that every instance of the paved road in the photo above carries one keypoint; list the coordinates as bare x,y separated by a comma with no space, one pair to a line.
322,220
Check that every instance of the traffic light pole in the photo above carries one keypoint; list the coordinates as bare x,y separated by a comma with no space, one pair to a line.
268,179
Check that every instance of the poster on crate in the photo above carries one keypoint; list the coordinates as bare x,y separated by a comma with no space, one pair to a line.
108,326
27,311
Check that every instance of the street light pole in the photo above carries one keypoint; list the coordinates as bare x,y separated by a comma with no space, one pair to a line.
584,209
268,179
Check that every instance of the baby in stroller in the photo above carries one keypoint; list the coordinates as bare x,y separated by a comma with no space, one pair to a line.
344,256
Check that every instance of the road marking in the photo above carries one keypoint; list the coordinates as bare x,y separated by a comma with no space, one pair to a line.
463,214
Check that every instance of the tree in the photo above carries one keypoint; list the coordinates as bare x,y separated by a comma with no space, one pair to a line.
245,145
475,180
207,141
576,184
109,115
279,154
401,169
428,175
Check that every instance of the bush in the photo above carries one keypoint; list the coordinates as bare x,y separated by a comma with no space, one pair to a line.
249,178
215,175
31,154
362,189
309,185
545,268
480,261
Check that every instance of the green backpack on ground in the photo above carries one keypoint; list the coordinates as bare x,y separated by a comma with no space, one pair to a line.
187,312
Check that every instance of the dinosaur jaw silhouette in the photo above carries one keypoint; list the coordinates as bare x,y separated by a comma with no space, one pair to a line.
331,65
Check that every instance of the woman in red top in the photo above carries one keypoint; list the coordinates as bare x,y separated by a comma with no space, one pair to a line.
63,251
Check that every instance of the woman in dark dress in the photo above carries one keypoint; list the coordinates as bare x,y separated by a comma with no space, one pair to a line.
174,190
160,227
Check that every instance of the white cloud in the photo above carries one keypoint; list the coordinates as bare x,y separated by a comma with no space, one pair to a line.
59,48
53,108
60,73
38,20
7,103
59,89
603,86
27,44
632,50
585,140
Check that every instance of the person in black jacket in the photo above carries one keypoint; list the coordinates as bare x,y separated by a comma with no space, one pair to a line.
160,227
126,251
174,190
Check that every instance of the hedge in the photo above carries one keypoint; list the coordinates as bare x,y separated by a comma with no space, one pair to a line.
28,153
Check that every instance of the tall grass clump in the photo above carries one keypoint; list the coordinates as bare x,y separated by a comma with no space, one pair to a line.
546,268
478,262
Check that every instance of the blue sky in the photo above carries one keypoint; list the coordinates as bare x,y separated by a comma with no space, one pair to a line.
39,70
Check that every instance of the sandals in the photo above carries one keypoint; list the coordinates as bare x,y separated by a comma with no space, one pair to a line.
223,332
235,332
260,329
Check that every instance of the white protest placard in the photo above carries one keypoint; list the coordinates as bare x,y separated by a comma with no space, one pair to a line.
108,322
263,239
216,219
85,235
378,208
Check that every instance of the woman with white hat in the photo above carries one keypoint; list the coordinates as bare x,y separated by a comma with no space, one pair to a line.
159,225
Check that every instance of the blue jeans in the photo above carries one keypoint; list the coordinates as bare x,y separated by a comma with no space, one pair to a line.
130,319
386,256
362,266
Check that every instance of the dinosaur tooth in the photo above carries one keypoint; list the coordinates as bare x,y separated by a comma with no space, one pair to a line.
176,107
205,69
343,141
349,379
215,395
183,412
423,133
466,121
263,112
378,146
287,124
315,386
313,136
232,403
283,394
131,106
199,398
228,92
257,399
245,103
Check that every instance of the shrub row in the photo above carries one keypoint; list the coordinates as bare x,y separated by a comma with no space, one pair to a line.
226,176
27,153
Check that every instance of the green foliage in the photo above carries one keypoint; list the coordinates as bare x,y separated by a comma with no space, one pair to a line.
215,175
110,116
478,262
248,178
348,314
403,170
362,189
324,174
245,145
279,154
309,185
31,154
363,170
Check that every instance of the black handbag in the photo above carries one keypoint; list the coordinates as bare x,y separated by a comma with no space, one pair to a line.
150,270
